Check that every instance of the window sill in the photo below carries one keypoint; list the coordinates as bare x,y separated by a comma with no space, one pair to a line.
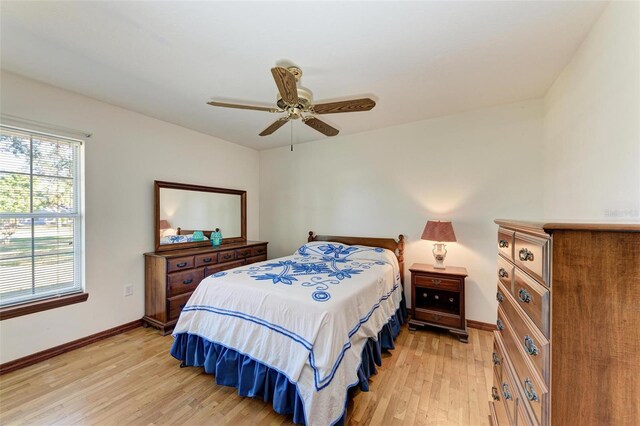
41,305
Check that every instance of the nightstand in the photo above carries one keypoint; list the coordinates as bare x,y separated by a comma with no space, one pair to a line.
437,299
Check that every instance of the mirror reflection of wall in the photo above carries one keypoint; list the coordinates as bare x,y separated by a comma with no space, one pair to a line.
196,210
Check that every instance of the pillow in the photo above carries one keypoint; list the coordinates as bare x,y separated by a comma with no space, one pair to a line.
344,251
173,239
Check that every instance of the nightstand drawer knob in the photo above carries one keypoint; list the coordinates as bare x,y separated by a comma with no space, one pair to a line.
530,346
524,296
436,297
495,394
437,317
529,391
525,255
502,273
504,244
451,299
425,295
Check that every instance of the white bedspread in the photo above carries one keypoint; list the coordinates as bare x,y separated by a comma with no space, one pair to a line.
307,316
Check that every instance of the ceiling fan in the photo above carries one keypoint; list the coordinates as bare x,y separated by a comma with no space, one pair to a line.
297,103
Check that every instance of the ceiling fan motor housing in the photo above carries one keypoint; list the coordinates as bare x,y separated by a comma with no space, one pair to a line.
305,99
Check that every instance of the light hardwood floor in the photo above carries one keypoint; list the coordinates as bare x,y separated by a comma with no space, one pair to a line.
130,379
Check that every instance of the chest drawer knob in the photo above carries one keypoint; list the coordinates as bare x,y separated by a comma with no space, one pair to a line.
494,393
505,391
500,325
503,273
503,244
525,255
496,359
530,346
529,390
524,296
181,264
499,297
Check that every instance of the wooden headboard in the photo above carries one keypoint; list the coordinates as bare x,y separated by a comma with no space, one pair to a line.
389,243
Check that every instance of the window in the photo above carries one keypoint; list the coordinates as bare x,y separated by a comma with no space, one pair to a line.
40,219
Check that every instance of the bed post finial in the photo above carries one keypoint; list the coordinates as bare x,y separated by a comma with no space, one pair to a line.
400,248
310,237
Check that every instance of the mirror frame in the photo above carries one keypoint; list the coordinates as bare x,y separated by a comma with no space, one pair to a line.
157,184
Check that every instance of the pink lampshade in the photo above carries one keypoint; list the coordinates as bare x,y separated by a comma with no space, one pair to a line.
164,224
436,230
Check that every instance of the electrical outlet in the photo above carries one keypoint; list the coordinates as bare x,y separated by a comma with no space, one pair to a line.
128,290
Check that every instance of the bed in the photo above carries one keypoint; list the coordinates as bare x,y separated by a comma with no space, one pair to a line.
301,330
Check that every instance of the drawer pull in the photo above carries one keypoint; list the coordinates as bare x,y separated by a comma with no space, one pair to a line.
436,297
494,393
505,391
181,264
500,325
424,295
524,296
496,359
525,255
502,273
186,282
226,256
436,282
499,297
503,244
451,299
207,260
530,346
529,391
437,317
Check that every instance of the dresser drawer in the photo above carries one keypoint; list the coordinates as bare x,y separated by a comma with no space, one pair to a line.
179,263
505,243
176,304
532,254
258,251
206,259
243,253
434,282
210,270
533,298
505,272
438,318
255,259
225,256
532,342
183,282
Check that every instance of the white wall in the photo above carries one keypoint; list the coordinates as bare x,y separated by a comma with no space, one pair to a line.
470,168
126,153
592,124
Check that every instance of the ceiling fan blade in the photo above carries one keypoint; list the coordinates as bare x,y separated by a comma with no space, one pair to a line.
274,126
321,126
257,108
286,83
364,104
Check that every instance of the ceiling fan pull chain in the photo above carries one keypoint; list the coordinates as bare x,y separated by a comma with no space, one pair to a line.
291,135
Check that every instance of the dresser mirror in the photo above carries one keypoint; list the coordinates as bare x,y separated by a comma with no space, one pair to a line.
186,215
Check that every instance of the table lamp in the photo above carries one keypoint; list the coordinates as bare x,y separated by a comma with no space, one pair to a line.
441,232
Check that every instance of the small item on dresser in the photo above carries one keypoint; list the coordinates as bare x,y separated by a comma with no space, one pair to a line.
197,236
216,238
441,232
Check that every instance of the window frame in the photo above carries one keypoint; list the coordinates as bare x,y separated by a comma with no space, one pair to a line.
39,304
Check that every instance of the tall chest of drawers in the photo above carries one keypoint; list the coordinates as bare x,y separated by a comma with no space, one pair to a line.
567,346
172,276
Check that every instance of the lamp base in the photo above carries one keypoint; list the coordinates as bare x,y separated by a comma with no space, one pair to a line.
439,253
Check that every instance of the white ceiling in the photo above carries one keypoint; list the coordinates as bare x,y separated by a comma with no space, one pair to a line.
416,59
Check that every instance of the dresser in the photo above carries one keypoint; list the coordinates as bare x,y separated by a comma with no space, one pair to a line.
171,276
437,299
567,346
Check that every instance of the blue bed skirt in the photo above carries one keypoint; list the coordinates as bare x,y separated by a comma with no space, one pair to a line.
256,380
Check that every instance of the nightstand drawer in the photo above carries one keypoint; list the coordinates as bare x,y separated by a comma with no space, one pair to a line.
438,318
435,282
438,300
179,263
